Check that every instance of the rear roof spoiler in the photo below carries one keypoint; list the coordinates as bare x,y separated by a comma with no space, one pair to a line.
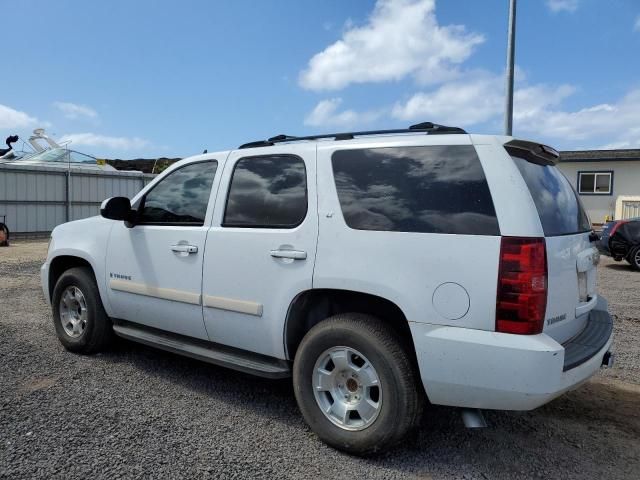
533,152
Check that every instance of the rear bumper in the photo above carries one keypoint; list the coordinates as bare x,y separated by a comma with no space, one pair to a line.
479,369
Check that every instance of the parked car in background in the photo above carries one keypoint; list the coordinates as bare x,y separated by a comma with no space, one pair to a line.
372,267
621,240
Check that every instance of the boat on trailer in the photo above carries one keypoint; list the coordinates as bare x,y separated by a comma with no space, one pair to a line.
47,152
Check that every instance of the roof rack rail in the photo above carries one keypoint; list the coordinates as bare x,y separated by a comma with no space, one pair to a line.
427,127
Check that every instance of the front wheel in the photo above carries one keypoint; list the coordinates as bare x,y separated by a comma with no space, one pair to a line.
356,384
79,318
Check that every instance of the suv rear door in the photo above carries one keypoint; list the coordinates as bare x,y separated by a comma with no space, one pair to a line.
571,257
261,246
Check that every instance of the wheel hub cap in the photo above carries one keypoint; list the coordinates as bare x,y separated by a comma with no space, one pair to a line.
352,385
347,388
73,311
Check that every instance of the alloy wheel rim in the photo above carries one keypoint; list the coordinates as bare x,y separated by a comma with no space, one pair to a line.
637,258
73,311
347,388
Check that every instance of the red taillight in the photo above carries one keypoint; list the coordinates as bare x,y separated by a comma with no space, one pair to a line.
522,286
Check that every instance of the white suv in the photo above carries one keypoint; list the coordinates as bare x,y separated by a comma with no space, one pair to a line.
378,269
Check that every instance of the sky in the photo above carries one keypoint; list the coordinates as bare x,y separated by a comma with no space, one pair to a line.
128,79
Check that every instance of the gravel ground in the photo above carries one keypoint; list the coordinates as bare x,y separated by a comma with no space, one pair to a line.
136,412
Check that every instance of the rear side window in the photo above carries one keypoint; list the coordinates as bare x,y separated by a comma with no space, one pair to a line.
434,189
558,205
267,192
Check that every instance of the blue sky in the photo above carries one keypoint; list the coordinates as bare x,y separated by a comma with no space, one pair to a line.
150,78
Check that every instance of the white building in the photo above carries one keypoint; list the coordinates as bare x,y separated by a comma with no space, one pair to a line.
608,181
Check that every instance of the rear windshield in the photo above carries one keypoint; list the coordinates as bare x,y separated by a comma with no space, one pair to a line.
560,209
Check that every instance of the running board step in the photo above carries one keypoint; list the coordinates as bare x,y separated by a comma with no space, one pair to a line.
236,359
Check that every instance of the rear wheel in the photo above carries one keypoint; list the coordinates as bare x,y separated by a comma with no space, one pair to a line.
634,257
79,318
356,385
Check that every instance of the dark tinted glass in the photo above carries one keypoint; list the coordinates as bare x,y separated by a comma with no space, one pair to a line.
632,230
436,189
558,205
269,191
181,197
587,182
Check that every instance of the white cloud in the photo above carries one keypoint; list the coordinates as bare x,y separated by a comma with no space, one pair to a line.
12,119
401,38
615,124
636,26
538,112
531,103
392,46
478,97
563,5
464,102
73,111
326,114
96,140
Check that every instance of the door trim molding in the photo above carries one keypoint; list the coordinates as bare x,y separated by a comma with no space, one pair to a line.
233,305
157,292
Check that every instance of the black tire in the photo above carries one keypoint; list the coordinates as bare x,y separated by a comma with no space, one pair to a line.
98,332
402,398
634,257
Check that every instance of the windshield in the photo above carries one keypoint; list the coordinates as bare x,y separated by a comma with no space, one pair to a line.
558,205
62,155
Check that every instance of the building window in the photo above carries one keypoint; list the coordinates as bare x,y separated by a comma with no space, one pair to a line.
595,183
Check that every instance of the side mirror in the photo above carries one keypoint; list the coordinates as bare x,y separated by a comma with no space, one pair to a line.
117,208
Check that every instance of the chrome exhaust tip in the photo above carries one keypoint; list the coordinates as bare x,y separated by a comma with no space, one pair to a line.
608,359
473,418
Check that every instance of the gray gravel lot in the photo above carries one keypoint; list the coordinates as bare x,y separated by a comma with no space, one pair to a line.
136,412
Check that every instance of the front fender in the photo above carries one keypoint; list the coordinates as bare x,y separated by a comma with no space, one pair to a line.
88,240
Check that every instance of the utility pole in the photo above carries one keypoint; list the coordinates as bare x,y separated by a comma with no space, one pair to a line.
511,54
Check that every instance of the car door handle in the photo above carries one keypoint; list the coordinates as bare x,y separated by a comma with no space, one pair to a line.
294,254
184,248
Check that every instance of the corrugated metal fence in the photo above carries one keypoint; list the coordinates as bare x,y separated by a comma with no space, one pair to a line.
36,199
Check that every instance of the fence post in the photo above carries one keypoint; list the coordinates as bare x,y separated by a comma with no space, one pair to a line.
68,196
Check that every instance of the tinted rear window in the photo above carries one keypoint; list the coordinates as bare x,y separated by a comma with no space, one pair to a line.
558,205
434,189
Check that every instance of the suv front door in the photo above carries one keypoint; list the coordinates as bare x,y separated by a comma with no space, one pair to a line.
261,246
154,270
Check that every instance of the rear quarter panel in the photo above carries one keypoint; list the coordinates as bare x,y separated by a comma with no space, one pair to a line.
405,268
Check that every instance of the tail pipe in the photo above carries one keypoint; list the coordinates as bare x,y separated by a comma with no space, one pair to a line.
473,418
